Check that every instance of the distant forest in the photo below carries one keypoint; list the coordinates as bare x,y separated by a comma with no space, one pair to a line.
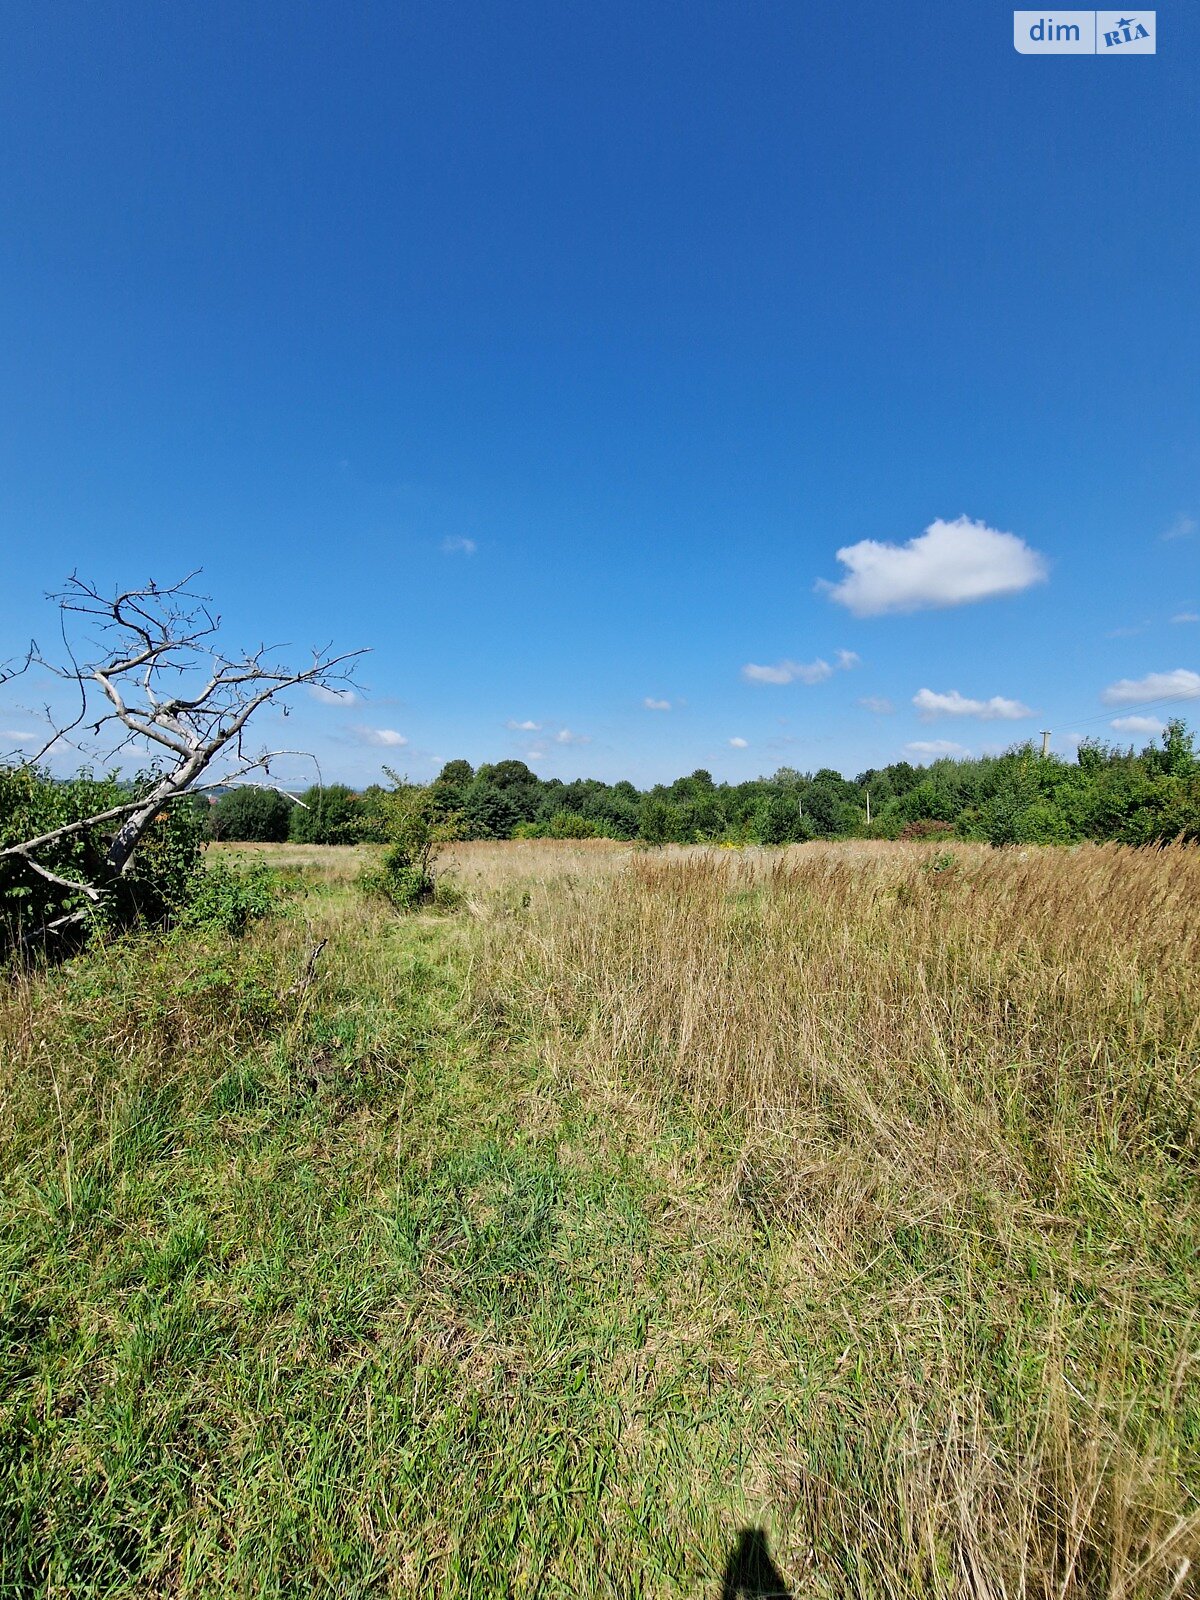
1020,797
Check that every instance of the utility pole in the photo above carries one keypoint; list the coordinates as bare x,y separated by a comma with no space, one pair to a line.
868,808
1045,732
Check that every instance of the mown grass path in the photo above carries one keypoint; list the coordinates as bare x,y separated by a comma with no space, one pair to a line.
326,1293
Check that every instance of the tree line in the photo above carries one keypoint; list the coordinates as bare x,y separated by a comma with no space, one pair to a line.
1106,792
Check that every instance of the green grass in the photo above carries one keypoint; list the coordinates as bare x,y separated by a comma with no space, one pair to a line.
350,1288
296,1300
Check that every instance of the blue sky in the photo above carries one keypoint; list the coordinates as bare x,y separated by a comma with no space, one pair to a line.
554,352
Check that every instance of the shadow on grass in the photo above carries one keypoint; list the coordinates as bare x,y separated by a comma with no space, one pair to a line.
750,1574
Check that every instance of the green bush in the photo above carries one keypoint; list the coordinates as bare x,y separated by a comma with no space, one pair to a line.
488,812
157,886
250,814
326,814
399,880
562,825
230,900
781,820
405,875
661,822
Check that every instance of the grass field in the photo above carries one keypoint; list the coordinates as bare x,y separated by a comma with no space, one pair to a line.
648,1212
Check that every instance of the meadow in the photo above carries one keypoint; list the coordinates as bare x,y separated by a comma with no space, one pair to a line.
645,1212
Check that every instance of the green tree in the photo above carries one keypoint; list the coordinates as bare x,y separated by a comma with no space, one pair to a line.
780,819
656,820
326,814
488,812
250,813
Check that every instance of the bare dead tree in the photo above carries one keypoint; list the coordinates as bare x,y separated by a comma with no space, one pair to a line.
150,675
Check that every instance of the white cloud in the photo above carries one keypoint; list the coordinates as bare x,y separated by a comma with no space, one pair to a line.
800,671
523,727
930,749
388,738
1150,725
534,755
457,546
1181,684
1186,616
17,735
879,704
565,736
332,697
953,704
949,564
1182,528
651,704
788,672
739,744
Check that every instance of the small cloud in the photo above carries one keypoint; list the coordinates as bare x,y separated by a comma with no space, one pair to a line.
931,749
565,736
523,727
1181,684
535,755
17,735
387,738
739,744
1186,616
458,546
1182,528
788,672
1129,632
800,671
950,564
879,704
651,704
953,704
1150,725
333,697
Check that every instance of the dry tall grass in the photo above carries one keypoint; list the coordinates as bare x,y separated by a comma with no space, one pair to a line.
957,1099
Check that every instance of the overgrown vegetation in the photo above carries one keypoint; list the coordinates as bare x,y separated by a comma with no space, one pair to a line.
251,812
36,899
166,884
144,668
1018,798
850,1192
404,875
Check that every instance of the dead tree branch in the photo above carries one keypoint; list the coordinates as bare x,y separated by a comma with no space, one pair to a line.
150,673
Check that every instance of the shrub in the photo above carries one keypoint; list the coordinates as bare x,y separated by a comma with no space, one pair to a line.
570,825
662,822
230,900
488,812
562,825
927,828
399,880
158,885
405,875
250,814
327,814
781,819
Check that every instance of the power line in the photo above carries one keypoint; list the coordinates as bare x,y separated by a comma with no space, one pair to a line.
1134,705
